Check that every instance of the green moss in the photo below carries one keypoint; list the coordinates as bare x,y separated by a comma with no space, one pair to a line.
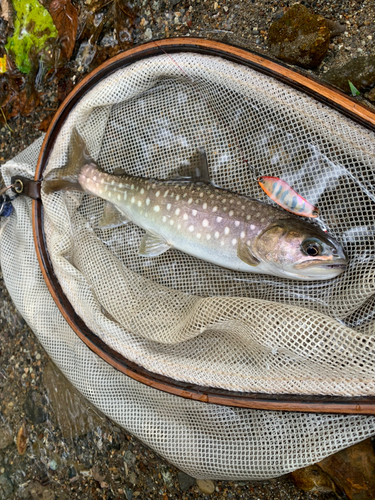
33,26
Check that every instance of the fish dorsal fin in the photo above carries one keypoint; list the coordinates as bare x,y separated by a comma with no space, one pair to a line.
193,170
245,254
112,217
152,245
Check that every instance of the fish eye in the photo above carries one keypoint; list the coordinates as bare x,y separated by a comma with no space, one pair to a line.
311,248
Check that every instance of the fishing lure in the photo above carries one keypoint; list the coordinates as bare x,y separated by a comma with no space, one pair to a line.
281,193
278,190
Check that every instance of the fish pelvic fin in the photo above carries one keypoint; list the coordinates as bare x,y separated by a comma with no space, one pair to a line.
245,254
153,245
66,177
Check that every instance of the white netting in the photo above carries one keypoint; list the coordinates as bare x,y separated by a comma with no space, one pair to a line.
188,319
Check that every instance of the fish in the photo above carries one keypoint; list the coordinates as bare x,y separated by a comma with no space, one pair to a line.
189,213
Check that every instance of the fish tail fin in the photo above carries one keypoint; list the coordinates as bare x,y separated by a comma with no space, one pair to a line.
66,177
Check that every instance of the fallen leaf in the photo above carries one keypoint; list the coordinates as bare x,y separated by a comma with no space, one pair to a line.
5,10
21,440
65,17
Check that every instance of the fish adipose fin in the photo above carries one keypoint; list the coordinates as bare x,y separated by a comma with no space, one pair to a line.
194,170
112,217
244,253
65,177
152,245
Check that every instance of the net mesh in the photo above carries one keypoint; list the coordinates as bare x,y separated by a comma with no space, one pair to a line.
182,317
191,320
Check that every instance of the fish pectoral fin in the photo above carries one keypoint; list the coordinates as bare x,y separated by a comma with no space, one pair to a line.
245,254
152,245
112,217
194,170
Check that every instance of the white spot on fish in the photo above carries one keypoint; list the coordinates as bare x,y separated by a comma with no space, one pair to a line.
236,223
106,188
205,223
208,236
222,243
248,242
225,209
226,230
177,197
119,197
243,207
166,193
190,200
204,206
191,228
109,194
169,206
198,235
156,208
177,212
262,220
147,201
194,212
164,219
171,222
248,217
185,216
219,219
157,194
252,227
139,203
234,241
132,199
132,186
120,185
214,209
141,191
178,226
217,235
231,213
242,234
231,200
201,195
112,183
94,178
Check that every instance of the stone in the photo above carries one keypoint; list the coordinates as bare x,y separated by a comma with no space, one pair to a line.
6,437
299,37
353,470
206,486
6,487
371,95
313,479
74,415
185,481
360,71
34,407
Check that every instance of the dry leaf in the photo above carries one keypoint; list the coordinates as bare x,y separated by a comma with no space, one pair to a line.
65,17
5,10
22,440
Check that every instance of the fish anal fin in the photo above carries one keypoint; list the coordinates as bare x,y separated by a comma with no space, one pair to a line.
245,254
193,170
152,245
112,217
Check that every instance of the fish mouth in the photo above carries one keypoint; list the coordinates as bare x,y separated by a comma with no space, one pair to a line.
339,264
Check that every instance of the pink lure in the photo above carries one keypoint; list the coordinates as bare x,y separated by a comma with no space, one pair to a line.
281,193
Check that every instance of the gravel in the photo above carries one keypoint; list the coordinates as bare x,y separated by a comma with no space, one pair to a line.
105,462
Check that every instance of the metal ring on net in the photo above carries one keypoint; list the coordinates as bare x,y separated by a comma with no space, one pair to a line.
322,94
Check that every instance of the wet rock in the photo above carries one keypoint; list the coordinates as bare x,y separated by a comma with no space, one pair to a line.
313,479
6,437
299,37
6,487
371,95
34,407
206,486
360,71
74,415
185,481
353,470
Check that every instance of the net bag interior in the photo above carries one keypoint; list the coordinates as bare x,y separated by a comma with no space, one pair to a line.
190,320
